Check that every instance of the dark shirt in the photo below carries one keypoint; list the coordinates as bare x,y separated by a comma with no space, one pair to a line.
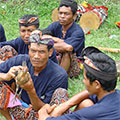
2,34
108,108
49,79
74,35
19,45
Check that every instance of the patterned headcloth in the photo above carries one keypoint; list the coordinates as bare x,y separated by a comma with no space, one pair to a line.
28,20
36,37
70,3
94,66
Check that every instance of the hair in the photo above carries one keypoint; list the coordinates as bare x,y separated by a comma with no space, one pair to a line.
69,3
26,18
105,64
45,32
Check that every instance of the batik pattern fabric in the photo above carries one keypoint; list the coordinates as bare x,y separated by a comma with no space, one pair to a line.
74,69
7,52
20,111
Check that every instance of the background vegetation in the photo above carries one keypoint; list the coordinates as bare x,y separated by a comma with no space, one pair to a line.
107,35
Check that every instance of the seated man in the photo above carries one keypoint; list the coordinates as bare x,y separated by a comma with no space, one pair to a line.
68,37
2,34
100,78
27,24
46,75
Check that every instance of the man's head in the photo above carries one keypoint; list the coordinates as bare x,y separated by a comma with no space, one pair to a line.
40,49
100,69
67,11
27,24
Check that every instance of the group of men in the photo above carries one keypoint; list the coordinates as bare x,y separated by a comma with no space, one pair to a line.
32,57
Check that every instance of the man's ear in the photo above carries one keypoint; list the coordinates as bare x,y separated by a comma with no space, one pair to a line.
28,46
50,52
74,16
97,84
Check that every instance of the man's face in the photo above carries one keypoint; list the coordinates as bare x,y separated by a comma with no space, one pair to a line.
25,32
65,15
39,55
90,87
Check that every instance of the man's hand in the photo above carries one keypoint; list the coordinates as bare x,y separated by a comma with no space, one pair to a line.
45,111
11,73
28,85
59,110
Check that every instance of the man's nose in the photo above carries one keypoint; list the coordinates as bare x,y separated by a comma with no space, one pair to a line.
36,55
63,15
27,34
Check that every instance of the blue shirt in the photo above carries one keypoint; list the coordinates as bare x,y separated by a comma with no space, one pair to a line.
19,45
49,79
108,108
74,35
2,34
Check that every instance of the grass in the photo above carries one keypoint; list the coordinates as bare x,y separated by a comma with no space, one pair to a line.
11,11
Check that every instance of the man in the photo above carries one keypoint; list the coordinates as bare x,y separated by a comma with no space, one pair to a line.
100,78
2,34
46,75
27,24
68,36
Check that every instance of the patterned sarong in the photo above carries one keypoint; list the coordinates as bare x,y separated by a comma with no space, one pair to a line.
20,110
74,69
7,52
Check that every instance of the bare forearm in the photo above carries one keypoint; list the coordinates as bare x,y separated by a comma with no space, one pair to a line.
35,101
2,76
63,47
78,98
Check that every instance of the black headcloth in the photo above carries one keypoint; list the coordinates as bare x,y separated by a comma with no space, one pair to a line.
99,73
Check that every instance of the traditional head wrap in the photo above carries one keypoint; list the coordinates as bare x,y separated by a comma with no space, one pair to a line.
91,66
70,3
36,37
28,20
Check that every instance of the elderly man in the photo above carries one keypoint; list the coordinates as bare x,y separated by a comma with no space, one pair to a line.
68,36
43,76
100,100
27,24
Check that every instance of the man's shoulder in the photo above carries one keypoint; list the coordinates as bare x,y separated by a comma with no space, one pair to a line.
54,25
76,26
20,57
1,26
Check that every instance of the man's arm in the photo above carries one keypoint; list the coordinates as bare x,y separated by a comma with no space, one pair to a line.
63,47
10,74
13,43
29,87
46,111
75,100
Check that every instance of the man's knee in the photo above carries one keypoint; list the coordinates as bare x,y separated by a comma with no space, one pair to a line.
59,96
84,103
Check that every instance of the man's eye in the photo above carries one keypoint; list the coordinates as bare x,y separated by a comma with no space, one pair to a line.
33,51
42,52
22,30
66,13
30,30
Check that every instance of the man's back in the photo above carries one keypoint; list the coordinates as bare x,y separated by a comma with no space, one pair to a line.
2,34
